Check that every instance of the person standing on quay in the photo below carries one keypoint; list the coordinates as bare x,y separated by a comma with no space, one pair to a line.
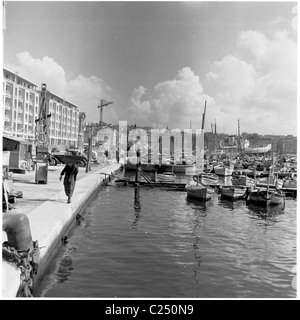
70,171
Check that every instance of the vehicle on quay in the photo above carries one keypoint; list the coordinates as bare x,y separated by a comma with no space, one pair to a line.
71,156
52,160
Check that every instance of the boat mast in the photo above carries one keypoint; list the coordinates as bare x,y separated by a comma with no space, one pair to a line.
239,138
201,160
203,117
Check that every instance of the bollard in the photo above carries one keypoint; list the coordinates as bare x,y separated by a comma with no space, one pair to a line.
17,228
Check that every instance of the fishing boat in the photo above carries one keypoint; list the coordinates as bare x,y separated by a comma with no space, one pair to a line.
273,182
121,182
165,177
148,167
209,179
199,191
222,170
234,192
241,180
178,168
266,197
196,188
290,183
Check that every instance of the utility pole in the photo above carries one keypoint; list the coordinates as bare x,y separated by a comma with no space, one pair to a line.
103,103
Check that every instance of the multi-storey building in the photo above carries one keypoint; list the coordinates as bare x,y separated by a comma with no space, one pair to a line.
21,109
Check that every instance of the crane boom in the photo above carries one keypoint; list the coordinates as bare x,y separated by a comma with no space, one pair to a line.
103,103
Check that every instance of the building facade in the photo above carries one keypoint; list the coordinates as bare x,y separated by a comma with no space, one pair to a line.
20,109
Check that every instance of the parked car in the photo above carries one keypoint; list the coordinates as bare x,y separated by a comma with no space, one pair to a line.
52,160
71,156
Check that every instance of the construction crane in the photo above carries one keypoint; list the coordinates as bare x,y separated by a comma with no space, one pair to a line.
103,103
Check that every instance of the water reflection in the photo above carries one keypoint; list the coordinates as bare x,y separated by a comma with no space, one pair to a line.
231,204
137,204
267,213
137,207
198,205
65,266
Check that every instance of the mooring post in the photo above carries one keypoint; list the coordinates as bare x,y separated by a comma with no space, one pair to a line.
138,173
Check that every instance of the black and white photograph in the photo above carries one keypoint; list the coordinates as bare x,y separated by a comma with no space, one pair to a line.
149,152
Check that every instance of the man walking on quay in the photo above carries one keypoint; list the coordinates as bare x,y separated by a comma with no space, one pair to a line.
70,171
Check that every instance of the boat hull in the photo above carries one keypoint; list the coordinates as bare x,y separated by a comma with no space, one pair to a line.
178,168
264,197
199,192
165,177
144,166
223,171
233,192
242,181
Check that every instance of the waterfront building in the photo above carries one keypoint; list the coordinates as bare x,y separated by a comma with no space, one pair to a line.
20,109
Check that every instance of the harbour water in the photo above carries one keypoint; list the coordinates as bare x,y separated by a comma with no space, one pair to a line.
153,243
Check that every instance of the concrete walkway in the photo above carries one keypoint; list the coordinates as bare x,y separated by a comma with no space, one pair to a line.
50,216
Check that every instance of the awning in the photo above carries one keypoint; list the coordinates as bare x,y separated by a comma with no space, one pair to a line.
14,138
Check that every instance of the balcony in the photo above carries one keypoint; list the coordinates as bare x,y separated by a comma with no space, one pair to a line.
7,119
7,94
7,107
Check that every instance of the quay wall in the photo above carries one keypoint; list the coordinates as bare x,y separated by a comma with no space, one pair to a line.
51,221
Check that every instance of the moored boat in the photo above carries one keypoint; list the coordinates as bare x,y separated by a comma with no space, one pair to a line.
290,183
144,166
266,197
165,177
178,168
233,192
199,191
272,182
242,180
222,170
121,182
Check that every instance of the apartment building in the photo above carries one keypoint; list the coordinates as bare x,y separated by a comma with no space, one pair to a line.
20,109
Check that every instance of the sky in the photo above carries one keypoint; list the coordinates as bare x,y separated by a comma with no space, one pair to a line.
158,62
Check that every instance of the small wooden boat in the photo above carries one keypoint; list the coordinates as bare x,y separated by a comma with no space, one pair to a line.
200,191
221,170
206,178
277,198
147,167
178,168
121,182
271,182
290,183
165,177
242,180
71,157
209,179
233,192
289,186
266,197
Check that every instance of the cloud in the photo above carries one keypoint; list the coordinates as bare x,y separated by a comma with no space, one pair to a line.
171,103
258,83
85,92
295,18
